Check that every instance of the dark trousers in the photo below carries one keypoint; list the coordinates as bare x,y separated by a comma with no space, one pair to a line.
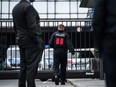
60,63
109,62
30,57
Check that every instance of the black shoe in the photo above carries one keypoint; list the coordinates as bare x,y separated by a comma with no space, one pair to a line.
56,80
62,83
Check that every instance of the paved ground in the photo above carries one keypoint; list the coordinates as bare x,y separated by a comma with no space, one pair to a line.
14,83
49,83
87,82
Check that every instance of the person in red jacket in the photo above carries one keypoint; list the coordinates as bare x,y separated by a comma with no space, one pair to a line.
61,42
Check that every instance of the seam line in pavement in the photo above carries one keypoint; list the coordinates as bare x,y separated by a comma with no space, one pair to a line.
72,83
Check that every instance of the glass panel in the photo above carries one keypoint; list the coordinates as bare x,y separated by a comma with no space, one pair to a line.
62,7
4,7
51,16
43,16
82,15
73,15
4,15
74,7
62,15
41,7
51,7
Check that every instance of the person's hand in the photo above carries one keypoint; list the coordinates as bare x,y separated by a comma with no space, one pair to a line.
73,56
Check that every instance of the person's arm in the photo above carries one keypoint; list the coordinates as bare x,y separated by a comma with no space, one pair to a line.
69,44
98,22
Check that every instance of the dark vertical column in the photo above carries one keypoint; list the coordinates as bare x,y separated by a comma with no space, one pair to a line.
0,9
54,9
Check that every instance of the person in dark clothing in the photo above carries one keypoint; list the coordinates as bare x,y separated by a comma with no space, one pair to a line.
104,25
3,51
60,41
29,39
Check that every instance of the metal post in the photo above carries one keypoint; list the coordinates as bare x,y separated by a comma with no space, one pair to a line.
0,9
101,69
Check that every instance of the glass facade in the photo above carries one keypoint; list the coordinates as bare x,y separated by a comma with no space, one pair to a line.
48,9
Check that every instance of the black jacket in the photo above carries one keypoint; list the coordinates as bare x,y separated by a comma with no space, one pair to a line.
104,25
26,24
67,42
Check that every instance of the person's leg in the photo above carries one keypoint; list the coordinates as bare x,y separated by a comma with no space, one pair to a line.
63,68
33,57
110,69
56,67
22,74
56,64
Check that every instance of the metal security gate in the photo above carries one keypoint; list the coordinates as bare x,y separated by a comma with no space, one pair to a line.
86,63
77,23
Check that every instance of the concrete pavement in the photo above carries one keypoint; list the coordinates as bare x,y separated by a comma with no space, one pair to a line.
87,82
48,83
70,83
